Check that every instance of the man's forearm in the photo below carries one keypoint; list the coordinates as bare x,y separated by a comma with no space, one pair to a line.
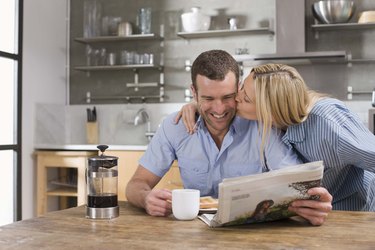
136,192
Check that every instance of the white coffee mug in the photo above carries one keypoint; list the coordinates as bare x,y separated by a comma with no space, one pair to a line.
185,203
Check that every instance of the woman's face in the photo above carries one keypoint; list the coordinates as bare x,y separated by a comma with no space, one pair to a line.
245,99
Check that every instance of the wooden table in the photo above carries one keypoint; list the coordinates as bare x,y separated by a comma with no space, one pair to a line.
69,229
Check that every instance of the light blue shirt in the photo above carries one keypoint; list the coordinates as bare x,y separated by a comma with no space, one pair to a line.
202,165
338,137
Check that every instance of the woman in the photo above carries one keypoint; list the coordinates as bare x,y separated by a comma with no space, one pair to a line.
316,126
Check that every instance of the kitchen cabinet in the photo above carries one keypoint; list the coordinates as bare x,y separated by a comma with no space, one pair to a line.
62,186
128,163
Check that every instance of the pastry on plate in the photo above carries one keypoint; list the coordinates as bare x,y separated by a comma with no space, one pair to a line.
208,202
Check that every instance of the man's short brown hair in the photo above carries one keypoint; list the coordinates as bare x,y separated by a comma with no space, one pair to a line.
215,65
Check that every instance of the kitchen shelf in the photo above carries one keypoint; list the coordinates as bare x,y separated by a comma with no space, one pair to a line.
101,39
361,60
342,26
328,56
66,191
125,98
322,57
222,33
118,67
64,183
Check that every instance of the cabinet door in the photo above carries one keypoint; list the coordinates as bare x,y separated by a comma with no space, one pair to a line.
128,163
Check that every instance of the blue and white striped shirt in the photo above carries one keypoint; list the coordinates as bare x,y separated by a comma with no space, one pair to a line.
338,137
202,165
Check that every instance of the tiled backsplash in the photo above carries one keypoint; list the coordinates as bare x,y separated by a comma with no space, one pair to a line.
60,125
361,108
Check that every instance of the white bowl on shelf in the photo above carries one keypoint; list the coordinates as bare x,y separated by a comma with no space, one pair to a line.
195,20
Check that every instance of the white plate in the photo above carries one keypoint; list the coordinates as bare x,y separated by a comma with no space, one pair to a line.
207,210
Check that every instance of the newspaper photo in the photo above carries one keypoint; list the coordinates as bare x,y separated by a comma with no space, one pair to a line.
264,197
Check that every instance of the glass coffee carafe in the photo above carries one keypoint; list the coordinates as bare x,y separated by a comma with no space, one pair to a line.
101,180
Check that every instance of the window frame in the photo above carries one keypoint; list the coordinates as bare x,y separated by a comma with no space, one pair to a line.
17,148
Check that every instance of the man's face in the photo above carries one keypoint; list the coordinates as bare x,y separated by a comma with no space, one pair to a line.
216,102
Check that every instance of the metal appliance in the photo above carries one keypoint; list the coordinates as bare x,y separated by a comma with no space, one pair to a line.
371,120
101,181
371,114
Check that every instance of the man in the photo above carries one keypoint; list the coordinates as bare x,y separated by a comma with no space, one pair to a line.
224,145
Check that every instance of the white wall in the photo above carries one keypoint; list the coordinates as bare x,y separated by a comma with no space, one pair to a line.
44,78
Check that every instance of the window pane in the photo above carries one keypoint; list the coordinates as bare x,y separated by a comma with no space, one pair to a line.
8,26
6,187
7,101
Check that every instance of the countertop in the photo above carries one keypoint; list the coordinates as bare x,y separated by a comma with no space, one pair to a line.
134,229
88,147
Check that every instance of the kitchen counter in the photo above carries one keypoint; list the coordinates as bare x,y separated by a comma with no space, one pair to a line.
134,229
89,147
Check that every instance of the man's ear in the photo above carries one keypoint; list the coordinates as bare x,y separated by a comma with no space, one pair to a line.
194,92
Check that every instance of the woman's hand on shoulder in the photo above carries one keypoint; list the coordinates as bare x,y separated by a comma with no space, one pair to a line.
187,114
315,211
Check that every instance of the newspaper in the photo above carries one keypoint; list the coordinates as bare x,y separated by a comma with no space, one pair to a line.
264,197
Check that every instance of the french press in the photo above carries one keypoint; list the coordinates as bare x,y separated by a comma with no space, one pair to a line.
101,181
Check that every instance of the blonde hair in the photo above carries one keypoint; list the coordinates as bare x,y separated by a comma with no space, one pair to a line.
281,97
